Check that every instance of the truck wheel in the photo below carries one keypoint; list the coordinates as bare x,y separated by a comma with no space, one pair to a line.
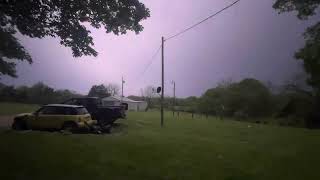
69,127
19,125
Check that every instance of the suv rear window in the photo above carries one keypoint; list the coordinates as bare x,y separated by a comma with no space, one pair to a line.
81,110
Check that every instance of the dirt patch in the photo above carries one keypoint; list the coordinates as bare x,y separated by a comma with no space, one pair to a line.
6,121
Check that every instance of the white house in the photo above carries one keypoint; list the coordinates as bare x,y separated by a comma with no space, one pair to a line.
132,105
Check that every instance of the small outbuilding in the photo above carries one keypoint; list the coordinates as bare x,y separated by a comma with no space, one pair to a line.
132,105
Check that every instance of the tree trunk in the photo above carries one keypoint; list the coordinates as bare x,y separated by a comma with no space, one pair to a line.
313,120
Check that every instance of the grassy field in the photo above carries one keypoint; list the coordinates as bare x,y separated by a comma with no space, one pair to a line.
184,149
16,108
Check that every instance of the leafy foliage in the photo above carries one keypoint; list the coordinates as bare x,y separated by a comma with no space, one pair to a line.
39,93
248,98
10,48
310,54
104,90
99,91
189,104
305,8
65,20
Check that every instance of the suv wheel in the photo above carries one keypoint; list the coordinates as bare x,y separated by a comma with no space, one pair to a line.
69,127
19,125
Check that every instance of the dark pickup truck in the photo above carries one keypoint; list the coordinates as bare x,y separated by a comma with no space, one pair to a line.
105,115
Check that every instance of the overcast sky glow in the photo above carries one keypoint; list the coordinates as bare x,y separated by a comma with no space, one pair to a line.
248,40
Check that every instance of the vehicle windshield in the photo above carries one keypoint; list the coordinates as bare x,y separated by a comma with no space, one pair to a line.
81,111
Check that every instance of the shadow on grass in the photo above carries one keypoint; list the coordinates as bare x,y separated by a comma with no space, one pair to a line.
116,128
119,128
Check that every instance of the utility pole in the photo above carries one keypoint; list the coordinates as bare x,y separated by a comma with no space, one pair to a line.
174,97
162,75
122,82
174,93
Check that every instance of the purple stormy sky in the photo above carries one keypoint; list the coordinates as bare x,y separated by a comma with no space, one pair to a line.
248,40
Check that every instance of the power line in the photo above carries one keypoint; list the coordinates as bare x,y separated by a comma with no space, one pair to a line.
148,65
150,61
193,26
180,33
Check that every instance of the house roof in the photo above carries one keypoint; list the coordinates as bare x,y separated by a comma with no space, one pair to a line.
118,98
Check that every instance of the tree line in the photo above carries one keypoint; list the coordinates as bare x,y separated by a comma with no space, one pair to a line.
38,93
247,100
41,93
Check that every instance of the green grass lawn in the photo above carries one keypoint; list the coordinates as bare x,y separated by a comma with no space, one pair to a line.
16,108
185,148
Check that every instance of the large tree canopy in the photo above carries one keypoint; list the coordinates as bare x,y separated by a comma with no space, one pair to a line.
63,19
305,8
310,53
247,98
100,91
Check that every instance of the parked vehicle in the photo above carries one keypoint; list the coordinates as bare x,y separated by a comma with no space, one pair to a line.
56,117
105,115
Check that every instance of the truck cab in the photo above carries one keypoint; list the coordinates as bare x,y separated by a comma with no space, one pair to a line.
104,114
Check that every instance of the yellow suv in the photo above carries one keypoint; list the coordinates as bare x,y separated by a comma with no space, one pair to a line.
55,117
